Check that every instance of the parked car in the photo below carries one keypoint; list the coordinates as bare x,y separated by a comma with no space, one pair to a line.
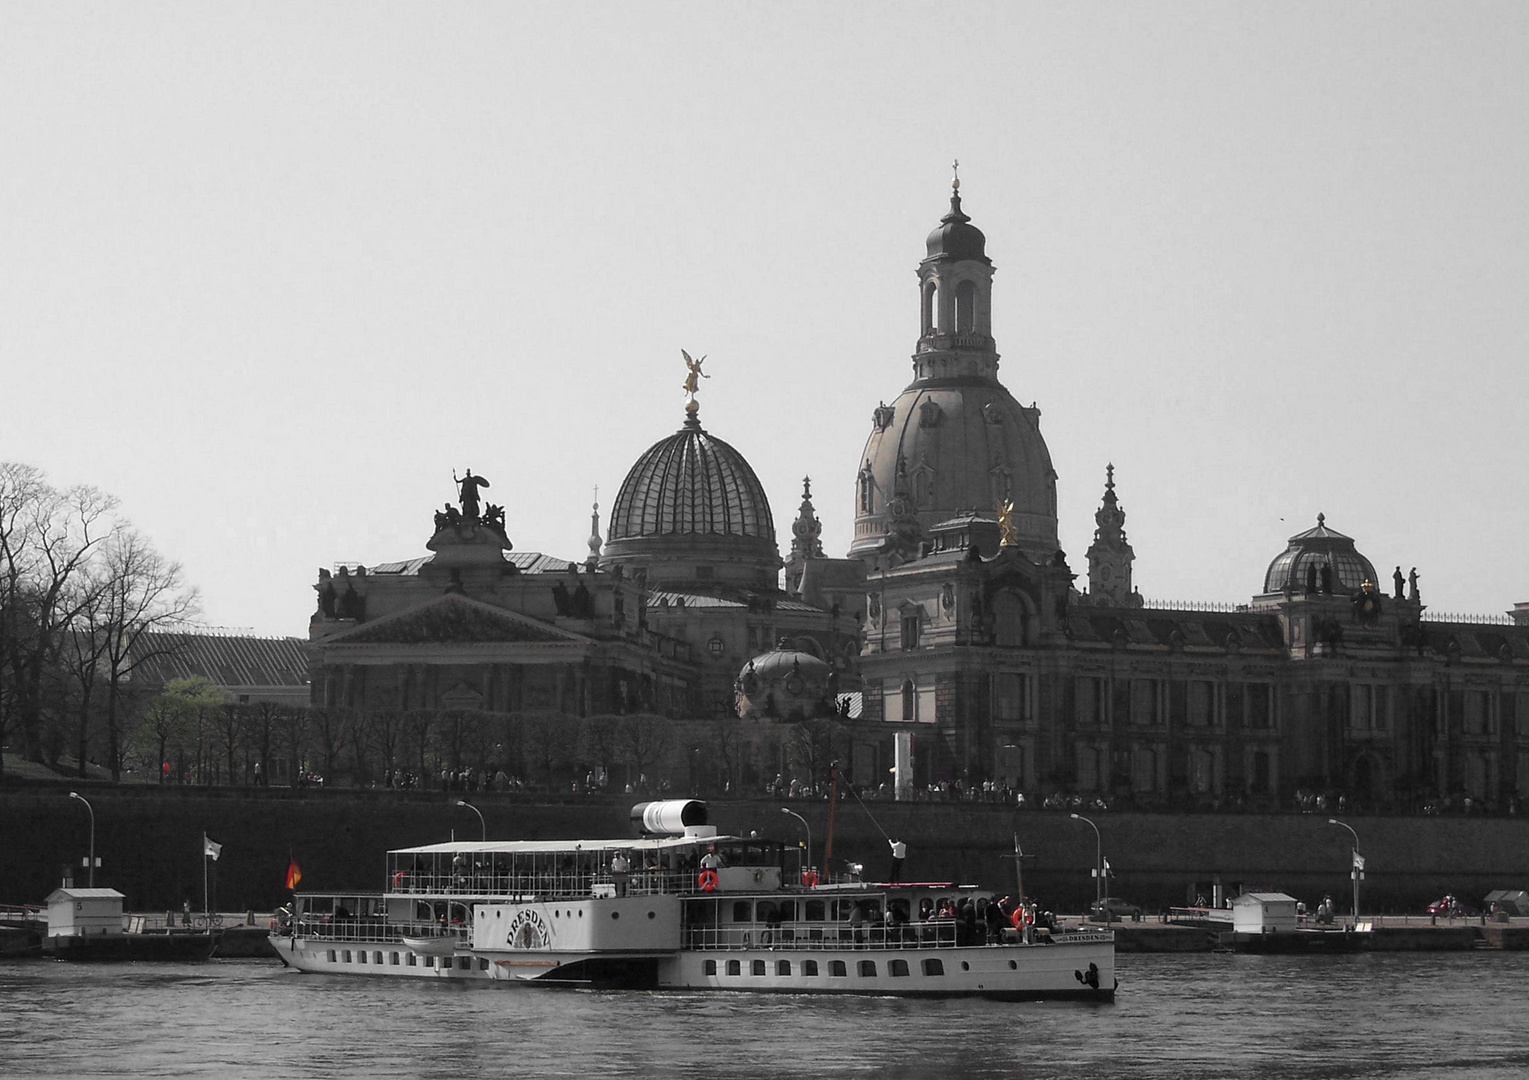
1113,907
1451,908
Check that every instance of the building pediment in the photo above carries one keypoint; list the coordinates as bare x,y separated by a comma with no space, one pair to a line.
455,620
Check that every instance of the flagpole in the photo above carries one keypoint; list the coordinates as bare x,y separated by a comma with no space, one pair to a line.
207,914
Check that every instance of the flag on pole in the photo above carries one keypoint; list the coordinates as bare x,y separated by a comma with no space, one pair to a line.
294,874
210,847
1358,861
1106,866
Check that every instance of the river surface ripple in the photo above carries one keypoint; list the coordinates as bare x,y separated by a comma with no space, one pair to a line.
1181,1017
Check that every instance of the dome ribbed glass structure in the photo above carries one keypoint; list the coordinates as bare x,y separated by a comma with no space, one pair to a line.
691,483
1314,548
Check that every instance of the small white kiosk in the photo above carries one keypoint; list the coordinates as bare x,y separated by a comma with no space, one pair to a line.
1263,913
84,912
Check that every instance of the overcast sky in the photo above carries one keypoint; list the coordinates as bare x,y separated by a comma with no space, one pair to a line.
270,272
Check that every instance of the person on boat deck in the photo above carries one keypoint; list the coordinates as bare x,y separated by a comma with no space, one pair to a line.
711,860
619,868
899,852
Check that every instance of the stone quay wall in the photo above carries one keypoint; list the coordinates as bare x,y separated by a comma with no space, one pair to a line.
150,842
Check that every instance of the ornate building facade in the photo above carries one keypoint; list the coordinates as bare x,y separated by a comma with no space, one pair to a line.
954,642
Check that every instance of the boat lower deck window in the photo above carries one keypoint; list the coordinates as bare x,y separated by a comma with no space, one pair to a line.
933,966
836,969
430,961
734,967
783,967
809,967
412,960
464,963
377,957
331,956
759,967
867,969
897,967
347,956
482,963
711,967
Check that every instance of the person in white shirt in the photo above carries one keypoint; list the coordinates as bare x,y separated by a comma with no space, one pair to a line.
899,852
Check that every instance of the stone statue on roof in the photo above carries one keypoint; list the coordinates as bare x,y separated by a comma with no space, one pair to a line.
469,493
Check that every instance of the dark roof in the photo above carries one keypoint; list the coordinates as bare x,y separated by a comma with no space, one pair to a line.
528,562
226,660
1188,629
955,237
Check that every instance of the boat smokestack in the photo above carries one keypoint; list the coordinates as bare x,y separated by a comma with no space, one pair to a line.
671,817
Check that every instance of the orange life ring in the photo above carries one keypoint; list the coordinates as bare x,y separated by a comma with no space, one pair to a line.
809,878
707,880
399,878
1018,918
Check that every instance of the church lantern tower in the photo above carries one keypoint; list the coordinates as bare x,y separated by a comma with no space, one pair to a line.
955,440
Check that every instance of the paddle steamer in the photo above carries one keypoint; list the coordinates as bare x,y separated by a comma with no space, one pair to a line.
679,908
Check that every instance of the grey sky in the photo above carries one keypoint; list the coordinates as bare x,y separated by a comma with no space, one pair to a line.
272,271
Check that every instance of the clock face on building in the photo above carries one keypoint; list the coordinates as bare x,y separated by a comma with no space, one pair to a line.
1106,573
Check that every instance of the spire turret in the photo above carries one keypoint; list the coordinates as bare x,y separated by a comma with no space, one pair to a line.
1110,556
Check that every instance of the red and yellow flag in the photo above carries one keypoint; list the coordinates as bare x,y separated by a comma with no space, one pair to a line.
294,874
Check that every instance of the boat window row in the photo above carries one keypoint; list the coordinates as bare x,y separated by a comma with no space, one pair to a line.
833,969
378,958
860,922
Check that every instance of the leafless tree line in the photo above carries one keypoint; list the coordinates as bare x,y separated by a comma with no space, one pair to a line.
79,587
191,734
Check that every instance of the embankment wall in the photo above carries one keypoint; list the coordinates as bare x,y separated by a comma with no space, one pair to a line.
149,840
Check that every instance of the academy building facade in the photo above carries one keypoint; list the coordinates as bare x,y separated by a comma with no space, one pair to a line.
955,643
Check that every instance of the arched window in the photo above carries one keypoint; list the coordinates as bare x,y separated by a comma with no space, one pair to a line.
1008,621
966,307
930,298
910,701
867,489
1260,772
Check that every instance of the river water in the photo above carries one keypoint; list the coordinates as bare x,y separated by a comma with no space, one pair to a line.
1180,1017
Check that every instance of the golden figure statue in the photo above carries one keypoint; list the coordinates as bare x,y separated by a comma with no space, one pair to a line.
1008,534
691,385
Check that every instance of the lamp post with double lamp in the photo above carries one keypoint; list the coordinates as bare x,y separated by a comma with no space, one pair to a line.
482,826
1098,867
807,827
77,795
1356,864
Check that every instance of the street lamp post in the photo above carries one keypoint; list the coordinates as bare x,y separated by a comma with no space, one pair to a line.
1356,864
482,826
77,795
1098,867
806,826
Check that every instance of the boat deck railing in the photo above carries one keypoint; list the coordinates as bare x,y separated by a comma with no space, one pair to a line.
375,929
639,883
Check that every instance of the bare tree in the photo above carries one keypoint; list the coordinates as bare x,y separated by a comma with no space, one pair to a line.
47,537
143,591
230,724
644,739
552,737
329,727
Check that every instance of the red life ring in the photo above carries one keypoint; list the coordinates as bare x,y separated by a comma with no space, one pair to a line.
1018,918
707,880
809,878
399,878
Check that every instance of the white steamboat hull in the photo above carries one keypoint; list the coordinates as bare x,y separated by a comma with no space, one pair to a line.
1065,969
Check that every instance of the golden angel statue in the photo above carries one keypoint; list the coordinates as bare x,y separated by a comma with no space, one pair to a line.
691,385
1008,534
